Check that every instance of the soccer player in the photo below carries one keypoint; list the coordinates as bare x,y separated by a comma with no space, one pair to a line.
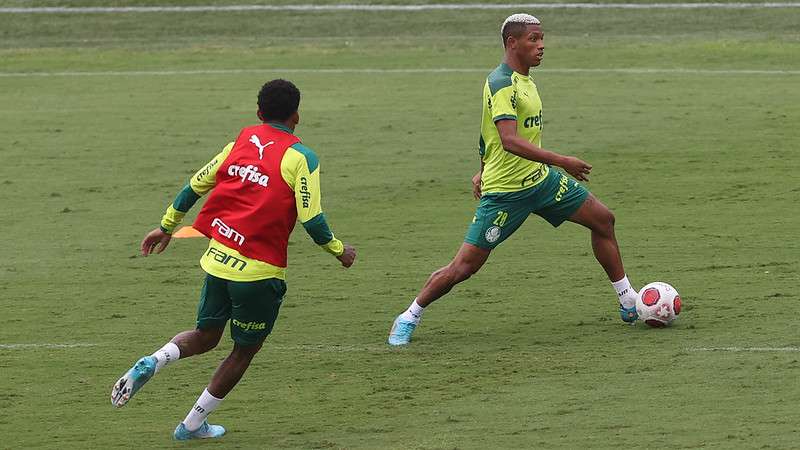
517,178
260,185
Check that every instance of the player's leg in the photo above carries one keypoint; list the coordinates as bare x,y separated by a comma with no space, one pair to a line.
195,342
497,217
254,309
227,375
232,368
595,216
564,199
469,259
213,313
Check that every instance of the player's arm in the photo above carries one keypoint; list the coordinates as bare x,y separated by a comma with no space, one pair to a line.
503,109
476,182
524,148
300,169
200,184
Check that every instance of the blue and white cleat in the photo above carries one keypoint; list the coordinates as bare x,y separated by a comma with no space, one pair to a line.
133,380
628,315
400,334
205,431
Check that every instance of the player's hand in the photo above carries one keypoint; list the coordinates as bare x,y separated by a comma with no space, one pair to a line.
577,168
476,186
348,257
155,241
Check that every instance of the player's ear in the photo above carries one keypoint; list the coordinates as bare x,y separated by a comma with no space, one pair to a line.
296,117
260,116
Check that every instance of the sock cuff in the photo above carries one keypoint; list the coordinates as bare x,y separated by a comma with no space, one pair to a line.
622,283
173,349
622,286
168,353
209,396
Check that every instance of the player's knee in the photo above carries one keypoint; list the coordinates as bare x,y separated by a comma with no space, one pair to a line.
245,352
610,219
210,337
604,222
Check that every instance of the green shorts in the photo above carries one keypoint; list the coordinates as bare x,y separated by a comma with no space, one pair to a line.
499,215
251,306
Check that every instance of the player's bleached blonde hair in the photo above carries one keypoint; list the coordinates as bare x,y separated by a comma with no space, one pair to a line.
514,22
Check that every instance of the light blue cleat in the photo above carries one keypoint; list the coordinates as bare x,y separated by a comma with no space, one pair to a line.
400,334
133,380
628,315
205,431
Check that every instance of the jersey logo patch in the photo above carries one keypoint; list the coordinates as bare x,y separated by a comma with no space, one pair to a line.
493,234
257,142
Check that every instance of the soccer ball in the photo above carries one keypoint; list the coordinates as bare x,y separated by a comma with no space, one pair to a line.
658,304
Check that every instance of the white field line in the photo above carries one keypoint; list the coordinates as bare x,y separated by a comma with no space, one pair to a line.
391,8
328,348
44,345
628,71
743,349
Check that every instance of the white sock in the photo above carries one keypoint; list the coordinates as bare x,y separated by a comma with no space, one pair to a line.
166,354
625,292
414,312
200,411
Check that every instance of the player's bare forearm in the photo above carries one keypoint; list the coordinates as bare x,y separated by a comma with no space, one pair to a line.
524,149
516,144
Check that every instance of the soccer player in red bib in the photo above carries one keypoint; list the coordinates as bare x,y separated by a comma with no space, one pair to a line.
260,185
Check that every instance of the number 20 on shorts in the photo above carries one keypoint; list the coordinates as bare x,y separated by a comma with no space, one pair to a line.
501,218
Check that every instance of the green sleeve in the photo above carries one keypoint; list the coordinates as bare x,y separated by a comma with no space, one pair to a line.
175,212
200,184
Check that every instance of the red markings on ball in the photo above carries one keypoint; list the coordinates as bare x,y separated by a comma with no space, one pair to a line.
676,305
650,296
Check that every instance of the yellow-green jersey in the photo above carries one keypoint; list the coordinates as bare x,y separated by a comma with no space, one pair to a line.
508,95
300,169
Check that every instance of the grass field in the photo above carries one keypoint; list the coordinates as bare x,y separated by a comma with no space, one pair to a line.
103,117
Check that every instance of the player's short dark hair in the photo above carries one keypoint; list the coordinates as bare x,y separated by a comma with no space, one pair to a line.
278,100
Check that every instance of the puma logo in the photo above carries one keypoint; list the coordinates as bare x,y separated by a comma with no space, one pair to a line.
254,139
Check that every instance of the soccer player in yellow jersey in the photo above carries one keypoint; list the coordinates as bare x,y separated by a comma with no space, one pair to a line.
518,178
260,185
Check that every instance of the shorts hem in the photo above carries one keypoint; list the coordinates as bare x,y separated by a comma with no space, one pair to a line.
563,218
248,342
203,324
479,245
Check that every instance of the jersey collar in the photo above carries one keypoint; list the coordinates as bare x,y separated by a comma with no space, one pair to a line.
280,126
510,71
